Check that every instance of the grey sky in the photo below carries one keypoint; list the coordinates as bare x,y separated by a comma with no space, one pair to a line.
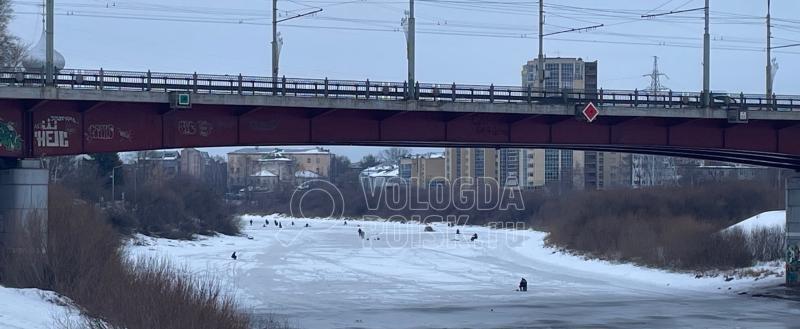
624,48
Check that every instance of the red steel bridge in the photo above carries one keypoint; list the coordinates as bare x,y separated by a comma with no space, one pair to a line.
89,111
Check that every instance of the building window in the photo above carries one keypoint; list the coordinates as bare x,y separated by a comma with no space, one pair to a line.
480,170
551,76
551,165
579,71
567,75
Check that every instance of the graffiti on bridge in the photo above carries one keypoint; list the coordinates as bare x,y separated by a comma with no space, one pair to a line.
793,265
10,140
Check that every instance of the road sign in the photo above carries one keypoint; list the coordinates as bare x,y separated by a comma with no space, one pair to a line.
590,112
183,99
180,100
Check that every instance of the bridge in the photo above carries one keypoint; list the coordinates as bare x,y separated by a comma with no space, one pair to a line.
88,111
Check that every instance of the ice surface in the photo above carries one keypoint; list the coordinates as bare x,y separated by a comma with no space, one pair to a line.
325,276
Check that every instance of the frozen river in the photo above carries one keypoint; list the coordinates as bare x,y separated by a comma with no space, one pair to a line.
325,276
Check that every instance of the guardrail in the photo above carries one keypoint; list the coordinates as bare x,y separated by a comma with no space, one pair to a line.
292,87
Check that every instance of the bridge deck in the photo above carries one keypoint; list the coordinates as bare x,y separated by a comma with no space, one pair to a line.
100,80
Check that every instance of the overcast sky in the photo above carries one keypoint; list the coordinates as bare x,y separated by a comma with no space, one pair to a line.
462,41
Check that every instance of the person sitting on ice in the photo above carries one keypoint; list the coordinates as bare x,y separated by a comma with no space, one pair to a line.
234,256
523,285
474,237
345,223
306,224
280,225
458,231
292,223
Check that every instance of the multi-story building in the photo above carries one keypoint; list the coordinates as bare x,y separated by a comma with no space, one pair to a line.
283,163
470,162
423,169
562,73
653,170
160,163
606,170
199,164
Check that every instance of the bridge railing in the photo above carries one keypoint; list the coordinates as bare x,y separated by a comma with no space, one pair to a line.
255,85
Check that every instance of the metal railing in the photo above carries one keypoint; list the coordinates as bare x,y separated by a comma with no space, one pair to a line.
253,85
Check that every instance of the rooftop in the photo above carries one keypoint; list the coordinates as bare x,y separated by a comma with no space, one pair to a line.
270,150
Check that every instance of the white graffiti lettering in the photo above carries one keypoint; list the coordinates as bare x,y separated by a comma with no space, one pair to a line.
52,138
192,128
54,132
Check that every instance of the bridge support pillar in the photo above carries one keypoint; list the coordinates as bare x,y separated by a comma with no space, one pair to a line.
793,231
23,206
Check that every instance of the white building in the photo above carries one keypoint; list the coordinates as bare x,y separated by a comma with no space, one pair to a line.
382,176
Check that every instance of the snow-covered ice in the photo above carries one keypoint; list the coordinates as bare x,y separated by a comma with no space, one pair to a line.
325,276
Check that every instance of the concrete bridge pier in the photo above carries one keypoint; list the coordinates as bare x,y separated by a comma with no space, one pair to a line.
23,205
793,231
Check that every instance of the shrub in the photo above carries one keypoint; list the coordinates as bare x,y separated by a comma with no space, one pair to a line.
665,227
181,207
85,263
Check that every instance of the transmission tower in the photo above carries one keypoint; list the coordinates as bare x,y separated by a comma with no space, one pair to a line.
655,78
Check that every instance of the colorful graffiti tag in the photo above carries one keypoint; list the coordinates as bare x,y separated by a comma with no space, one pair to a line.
10,140
793,265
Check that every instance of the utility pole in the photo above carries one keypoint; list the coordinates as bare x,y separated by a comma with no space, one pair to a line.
540,66
706,62
706,50
769,55
274,46
412,90
277,41
49,69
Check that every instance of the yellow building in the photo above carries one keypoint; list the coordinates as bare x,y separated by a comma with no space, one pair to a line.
246,162
423,169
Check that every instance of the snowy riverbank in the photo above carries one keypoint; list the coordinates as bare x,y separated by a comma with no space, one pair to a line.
34,309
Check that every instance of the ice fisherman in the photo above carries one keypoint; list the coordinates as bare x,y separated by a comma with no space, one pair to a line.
523,285
234,256
474,237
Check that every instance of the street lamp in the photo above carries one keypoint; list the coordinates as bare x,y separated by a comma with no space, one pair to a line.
113,183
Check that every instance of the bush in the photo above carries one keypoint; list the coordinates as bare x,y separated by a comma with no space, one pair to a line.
664,227
181,207
84,262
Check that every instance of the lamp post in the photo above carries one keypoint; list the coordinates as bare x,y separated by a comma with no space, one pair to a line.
113,183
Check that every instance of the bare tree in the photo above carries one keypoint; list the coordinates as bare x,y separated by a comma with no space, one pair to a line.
394,154
11,50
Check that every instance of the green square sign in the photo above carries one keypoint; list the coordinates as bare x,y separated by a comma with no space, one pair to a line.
183,99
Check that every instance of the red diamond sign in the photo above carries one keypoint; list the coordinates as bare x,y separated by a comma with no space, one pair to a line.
590,112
